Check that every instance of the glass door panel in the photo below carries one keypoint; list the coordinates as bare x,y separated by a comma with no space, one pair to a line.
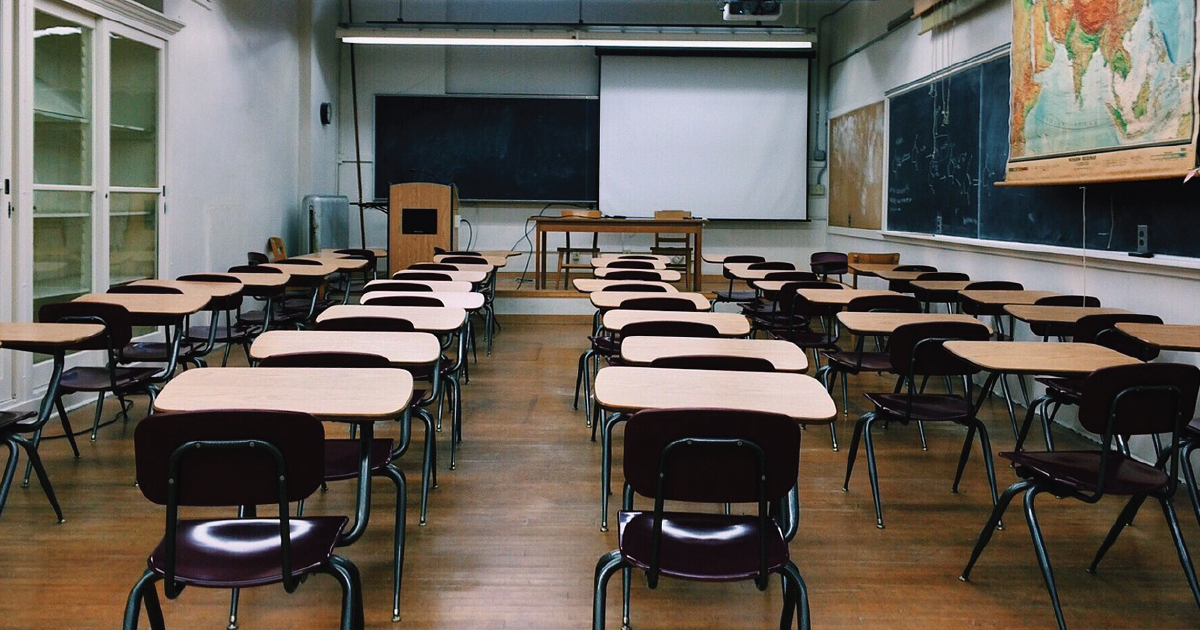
133,160
133,237
62,246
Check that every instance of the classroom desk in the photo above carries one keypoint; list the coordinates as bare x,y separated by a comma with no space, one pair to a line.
742,271
307,271
892,274
591,285
727,324
341,262
823,297
867,269
1042,314
664,275
432,319
545,225
45,338
466,300
438,286
884,324
492,260
1002,298
154,309
784,355
211,289
1164,336
485,269
601,261
627,389
474,277
254,281
356,396
940,285
608,257
715,259
605,300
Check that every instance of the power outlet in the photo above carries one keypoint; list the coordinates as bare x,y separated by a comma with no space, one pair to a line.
1143,239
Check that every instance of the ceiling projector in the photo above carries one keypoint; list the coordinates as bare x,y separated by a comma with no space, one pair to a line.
752,10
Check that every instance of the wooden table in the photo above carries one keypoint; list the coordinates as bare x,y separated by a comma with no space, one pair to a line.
341,262
940,285
357,396
211,289
156,309
441,286
545,225
431,319
612,299
1003,298
1042,314
591,285
1164,336
884,324
628,389
601,261
261,280
824,297
307,271
727,324
867,269
466,300
784,355
474,277
484,269
715,259
742,271
665,275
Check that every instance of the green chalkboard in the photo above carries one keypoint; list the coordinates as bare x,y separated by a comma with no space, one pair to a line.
948,146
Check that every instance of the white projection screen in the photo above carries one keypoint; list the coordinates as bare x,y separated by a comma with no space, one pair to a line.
723,137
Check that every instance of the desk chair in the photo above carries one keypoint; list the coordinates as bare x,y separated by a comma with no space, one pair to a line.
370,272
307,303
13,428
762,307
1143,399
916,351
234,459
228,333
634,274
902,286
675,245
432,266
567,253
827,264
190,351
1062,331
260,320
871,258
488,289
730,295
793,321
403,275
716,456
928,297
396,285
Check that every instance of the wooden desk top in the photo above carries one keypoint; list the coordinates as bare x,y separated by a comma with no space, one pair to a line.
666,275
892,274
940,285
168,305
1164,336
886,323
343,262
211,289
870,269
492,259
433,319
467,300
601,261
742,271
1040,314
457,276
340,394
1035,357
1001,298
613,224
715,259
444,286
484,269
320,271
784,355
611,256
378,251
827,297
261,280
797,396
613,299
727,324
401,348
45,336
589,285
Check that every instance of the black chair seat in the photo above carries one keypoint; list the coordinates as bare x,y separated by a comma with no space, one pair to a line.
853,363
1069,389
342,457
236,553
605,346
806,339
13,420
925,407
1079,470
225,333
159,351
736,296
96,379
422,373
697,546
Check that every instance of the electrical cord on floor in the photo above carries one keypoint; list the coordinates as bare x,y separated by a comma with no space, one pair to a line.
529,226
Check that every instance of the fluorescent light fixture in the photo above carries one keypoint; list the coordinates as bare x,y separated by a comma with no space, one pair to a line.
597,37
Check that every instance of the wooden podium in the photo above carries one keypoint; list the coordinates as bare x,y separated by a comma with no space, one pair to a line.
419,219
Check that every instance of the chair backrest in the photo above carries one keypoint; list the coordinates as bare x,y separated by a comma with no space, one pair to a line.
365,254
744,258
668,328
254,269
1101,329
401,300
873,258
256,258
228,303
884,304
794,276
659,303
630,264
633,274
792,303
367,323
277,248
311,262
144,289
773,264
1139,399
326,360
633,286
431,266
458,252
420,275
916,349
915,268
995,285
715,362
117,322
636,257
207,277
396,285
828,263
943,275
465,260
1068,300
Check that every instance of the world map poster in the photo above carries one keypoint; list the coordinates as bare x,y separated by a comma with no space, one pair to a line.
1102,90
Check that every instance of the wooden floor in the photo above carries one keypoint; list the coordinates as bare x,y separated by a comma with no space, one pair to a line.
513,535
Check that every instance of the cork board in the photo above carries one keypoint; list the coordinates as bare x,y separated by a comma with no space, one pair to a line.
856,150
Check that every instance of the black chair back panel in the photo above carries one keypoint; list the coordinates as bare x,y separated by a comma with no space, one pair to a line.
633,274
668,328
396,285
1068,300
465,260
366,323
644,288
428,266
1088,327
691,475
776,265
420,275
144,289
995,285
829,263
116,319
299,261
885,304
256,258
326,360
914,352
715,362
744,258
403,300
254,269
631,264
914,268
1155,409
659,304
943,275
794,276
224,477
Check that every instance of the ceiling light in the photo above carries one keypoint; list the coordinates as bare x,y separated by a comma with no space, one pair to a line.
596,37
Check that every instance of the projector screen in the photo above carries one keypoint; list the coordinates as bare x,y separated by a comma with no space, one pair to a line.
725,138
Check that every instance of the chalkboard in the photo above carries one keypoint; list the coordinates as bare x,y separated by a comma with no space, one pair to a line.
948,146
492,148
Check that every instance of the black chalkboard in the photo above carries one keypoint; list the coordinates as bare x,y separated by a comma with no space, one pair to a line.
492,148
948,146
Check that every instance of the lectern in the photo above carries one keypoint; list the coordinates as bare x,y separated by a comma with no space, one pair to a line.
419,219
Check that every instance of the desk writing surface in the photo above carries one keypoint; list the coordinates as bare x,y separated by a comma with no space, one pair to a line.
400,348
260,280
631,389
590,285
443,286
45,336
341,262
457,276
727,324
839,297
940,285
860,323
1000,298
870,269
614,299
484,269
608,257
784,355
309,271
742,271
492,259
1036,313
467,300
211,289
600,261
434,319
665,275
1164,336
165,304
379,252
893,274
1036,357
341,394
